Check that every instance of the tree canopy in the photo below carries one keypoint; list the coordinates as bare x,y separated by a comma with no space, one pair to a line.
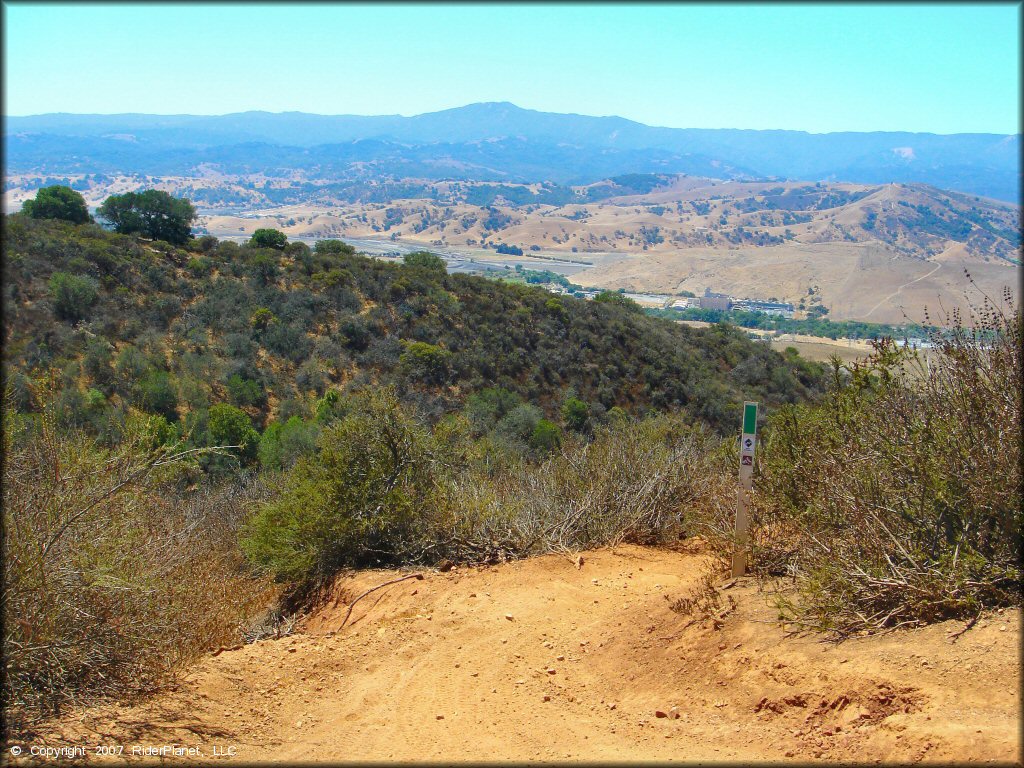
152,213
58,202
268,238
425,259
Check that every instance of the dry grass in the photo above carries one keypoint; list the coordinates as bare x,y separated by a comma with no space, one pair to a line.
113,578
897,501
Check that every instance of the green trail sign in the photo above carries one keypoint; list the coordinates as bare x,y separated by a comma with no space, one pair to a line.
749,418
748,443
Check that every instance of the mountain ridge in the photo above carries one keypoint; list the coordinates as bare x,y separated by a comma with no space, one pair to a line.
976,163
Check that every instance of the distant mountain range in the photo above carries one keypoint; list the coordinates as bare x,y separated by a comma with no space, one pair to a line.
499,142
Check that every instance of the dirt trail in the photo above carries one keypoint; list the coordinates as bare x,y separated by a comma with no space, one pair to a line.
899,290
544,660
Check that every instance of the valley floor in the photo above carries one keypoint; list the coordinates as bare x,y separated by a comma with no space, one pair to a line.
556,659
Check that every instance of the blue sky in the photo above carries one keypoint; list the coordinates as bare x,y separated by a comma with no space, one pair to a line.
943,68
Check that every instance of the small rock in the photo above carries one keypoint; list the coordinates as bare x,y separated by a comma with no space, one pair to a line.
510,617
660,713
520,682
550,670
439,717
546,697
292,650
559,658
472,594
673,713
613,705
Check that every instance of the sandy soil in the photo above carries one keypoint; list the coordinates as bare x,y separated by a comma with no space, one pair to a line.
549,659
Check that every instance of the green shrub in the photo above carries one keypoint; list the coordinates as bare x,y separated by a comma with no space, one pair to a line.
545,438
485,408
199,267
261,319
616,299
73,295
245,391
333,248
425,362
576,414
283,444
229,426
155,392
356,503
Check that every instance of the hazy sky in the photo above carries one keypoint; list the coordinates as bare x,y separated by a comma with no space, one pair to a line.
941,68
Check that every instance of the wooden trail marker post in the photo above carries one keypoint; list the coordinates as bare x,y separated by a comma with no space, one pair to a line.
748,442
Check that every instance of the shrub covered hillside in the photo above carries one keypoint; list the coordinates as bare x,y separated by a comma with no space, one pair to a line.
193,430
175,331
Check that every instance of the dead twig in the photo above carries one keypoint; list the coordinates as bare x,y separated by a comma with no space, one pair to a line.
955,636
352,605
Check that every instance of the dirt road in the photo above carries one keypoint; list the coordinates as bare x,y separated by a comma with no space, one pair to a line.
552,660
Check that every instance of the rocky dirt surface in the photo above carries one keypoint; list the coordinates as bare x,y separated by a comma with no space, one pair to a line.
566,658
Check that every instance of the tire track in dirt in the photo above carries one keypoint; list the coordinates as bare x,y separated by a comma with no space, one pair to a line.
544,660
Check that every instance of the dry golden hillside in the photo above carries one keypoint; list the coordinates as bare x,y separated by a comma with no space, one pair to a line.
883,253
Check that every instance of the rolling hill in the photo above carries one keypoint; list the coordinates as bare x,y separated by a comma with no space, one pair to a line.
174,332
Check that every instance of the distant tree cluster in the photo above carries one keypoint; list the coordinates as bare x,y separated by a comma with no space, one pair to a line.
510,250
151,213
